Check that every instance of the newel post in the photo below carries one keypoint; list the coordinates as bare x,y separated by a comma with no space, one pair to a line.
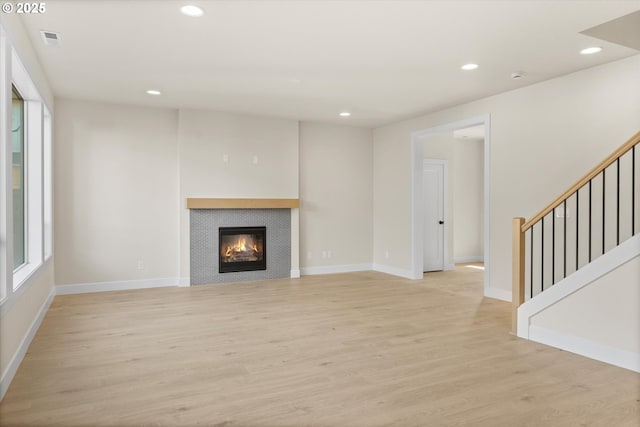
517,298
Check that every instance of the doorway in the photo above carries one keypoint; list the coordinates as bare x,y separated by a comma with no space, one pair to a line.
418,208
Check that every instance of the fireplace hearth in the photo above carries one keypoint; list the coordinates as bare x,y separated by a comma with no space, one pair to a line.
242,249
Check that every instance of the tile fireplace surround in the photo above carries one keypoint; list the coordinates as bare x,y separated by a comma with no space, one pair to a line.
208,215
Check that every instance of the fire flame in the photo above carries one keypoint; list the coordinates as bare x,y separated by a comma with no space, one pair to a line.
240,246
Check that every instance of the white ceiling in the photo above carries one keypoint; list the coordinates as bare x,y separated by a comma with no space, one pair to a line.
381,60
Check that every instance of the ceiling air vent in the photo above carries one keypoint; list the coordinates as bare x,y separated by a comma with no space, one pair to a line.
50,38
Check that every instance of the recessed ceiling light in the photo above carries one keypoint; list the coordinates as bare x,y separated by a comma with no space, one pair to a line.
591,50
345,114
192,10
153,92
469,67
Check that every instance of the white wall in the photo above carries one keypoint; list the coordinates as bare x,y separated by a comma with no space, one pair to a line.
468,200
21,312
336,194
123,175
543,138
205,137
392,200
19,325
116,192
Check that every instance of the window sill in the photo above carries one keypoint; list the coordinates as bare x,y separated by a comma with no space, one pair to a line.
23,274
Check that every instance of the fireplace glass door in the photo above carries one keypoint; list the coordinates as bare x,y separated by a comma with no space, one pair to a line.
242,249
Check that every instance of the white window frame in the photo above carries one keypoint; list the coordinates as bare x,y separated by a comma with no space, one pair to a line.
6,194
37,180
47,183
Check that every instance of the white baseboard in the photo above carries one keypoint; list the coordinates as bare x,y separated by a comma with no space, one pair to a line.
407,274
14,363
184,282
467,259
501,294
333,269
125,285
591,349
295,274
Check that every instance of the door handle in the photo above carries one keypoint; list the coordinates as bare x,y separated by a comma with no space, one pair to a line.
440,222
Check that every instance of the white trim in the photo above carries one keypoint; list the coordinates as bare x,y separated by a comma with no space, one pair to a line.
468,259
6,198
295,240
184,282
14,363
82,288
487,204
417,154
23,273
333,269
597,268
394,271
591,349
295,274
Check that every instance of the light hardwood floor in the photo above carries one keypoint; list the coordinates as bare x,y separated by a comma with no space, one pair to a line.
357,349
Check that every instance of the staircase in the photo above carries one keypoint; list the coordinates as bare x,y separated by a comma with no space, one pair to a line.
585,244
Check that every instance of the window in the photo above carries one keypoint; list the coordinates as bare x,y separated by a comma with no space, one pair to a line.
25,177
18,176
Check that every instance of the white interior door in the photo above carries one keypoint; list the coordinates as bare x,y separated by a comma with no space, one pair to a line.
433,201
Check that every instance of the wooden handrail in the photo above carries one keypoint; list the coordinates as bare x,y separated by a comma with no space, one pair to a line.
583,181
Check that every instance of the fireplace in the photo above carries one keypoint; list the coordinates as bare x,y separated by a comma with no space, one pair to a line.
242,249
204,239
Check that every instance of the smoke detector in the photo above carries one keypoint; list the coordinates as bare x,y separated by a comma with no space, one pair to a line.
51,38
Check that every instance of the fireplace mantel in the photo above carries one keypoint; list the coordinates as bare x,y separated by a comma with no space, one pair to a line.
198,203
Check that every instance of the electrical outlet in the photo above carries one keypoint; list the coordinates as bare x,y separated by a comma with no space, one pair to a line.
140,265
309,255
386,254
329,254
324,254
